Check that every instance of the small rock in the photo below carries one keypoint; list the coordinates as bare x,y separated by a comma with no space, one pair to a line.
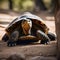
16,57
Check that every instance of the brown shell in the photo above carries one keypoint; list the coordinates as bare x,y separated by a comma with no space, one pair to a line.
38,23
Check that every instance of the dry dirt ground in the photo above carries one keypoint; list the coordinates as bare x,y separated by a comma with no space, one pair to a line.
5,19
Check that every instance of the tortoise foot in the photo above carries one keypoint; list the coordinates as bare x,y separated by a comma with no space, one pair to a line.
11,43
44,42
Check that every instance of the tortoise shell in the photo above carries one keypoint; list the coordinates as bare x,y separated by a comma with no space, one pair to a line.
37,22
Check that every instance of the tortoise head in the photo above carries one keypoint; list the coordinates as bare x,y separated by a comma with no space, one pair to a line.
26,26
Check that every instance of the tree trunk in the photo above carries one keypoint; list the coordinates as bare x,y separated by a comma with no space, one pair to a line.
52,6
10,4
40,5
57,22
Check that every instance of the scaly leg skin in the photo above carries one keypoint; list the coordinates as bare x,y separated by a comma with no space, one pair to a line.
51,36
43,37
13,38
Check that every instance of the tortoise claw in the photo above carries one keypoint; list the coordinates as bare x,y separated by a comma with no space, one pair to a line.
44,42
11,43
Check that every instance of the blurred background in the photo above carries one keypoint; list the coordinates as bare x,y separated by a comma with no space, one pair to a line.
28,5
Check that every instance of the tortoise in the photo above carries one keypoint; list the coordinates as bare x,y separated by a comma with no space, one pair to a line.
27,28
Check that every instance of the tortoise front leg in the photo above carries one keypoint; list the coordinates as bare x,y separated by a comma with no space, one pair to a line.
51,36
5,37
43,37
13,38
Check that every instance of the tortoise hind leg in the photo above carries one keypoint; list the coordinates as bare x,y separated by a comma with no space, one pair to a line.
43,37
5,37
51,36
13,38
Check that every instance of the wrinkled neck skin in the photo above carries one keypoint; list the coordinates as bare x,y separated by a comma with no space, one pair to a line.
30,24
26,26
29,32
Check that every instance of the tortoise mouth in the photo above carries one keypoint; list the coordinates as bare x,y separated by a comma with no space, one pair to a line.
26,26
